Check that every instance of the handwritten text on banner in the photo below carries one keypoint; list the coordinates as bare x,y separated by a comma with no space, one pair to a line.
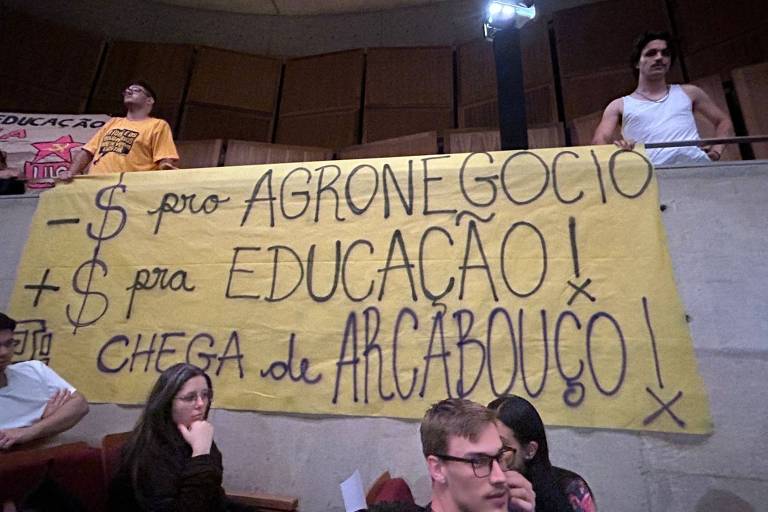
372,287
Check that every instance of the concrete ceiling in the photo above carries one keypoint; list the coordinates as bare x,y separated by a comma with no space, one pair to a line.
298,7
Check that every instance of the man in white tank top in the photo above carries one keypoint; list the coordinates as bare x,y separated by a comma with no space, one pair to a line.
658,112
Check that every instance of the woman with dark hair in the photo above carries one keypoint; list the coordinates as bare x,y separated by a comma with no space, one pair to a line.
521,428
170,461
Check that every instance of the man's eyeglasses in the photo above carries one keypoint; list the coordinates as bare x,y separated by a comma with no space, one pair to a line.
135,90
10,343
482,465
205,395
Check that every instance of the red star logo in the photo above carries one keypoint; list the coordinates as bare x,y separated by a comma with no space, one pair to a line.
61,147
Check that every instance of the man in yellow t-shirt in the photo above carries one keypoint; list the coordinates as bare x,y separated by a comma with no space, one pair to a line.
136,142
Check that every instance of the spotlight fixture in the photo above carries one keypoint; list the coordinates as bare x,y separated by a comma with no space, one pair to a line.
504,14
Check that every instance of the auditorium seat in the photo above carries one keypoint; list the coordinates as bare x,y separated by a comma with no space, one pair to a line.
74,469
386,489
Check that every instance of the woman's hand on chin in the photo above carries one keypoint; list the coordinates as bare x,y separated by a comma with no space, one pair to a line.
199,435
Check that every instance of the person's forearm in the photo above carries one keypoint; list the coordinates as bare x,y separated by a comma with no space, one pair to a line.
63,419
166,164
724,129
603,136
80,161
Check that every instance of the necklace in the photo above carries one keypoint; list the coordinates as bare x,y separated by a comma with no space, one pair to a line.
660,100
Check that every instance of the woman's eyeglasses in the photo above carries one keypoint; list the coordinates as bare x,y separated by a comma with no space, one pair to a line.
205,395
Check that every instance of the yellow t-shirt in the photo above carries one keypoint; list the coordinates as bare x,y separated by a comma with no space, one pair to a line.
123,145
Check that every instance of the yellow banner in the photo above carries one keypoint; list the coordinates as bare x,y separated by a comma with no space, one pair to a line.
371,287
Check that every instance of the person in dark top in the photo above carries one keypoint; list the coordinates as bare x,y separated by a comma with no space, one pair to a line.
9,185
521,428
170,461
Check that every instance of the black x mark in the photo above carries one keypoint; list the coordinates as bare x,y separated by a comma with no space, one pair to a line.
665,407
581,290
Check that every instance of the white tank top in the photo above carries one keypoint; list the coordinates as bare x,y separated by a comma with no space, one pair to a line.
660,121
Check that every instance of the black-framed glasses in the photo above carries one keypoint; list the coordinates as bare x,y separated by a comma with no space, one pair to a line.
482,465
205,395
135,90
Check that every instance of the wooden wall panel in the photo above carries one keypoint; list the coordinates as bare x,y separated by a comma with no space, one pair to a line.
598,36
476,72
751,84
386,123
719,36
470,141
721,58
414,144
323,83
477,89
232,79
331,129
407,90
594,43
702,22
409,77
45,67
321,100
241,152
538,75
537,56
204,122
22,96
582,128
550,135
540,104
585,94
165,67
194,154
714,89
484,114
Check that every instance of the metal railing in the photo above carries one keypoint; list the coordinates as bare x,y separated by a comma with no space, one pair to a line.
708,142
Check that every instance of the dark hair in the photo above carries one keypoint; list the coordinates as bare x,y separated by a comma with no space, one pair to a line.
522,417
145,85
642,41
7,323
3,162
155,427
452,417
